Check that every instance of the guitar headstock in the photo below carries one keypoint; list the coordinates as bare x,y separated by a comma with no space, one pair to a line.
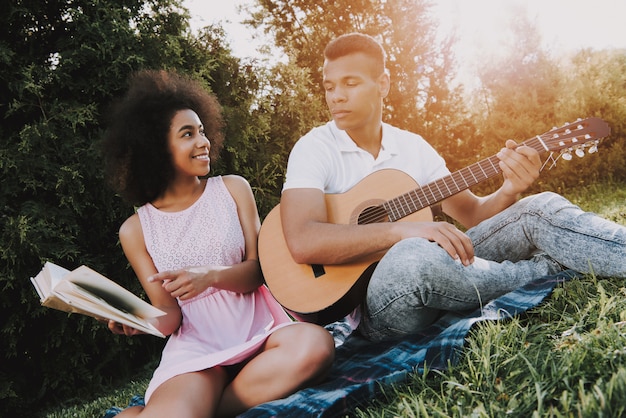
579,137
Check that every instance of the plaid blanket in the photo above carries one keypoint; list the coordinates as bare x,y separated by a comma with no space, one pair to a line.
362,369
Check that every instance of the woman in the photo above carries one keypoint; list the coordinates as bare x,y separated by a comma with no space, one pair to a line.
193,245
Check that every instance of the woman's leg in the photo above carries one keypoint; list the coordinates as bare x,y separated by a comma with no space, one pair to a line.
188,395
292,357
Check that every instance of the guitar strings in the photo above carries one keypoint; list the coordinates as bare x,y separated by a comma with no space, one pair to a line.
415,200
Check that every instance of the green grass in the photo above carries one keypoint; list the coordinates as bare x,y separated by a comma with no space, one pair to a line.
96,407
564,358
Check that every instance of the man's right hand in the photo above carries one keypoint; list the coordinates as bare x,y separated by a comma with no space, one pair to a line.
450,238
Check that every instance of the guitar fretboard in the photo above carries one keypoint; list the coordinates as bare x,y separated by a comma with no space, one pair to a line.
440,189
570,137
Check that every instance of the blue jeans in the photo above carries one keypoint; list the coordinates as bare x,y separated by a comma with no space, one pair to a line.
417,281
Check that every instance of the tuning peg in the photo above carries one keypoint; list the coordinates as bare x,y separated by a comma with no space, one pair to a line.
566,155
580,152
594,147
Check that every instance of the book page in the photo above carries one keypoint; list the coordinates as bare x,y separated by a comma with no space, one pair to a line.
114,294
38,288
88,292
86,301
54,273
48,277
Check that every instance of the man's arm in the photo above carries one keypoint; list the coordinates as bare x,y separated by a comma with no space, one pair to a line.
312,240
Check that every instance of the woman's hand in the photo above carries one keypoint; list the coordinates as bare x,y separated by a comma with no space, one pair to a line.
121,329
183,284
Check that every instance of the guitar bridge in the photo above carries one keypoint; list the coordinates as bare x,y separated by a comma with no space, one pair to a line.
318,270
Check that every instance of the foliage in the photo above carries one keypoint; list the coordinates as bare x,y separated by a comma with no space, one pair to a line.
525,92
284,111
518,93
421,66
61,64
595,87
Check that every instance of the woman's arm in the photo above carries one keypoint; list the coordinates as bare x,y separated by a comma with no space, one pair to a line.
242,277
133,244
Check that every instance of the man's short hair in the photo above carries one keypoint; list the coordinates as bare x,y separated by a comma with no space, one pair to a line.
352,43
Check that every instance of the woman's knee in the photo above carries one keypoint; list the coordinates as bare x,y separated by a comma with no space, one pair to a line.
319,343
311,348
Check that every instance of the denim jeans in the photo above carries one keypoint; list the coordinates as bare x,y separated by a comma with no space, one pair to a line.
417,281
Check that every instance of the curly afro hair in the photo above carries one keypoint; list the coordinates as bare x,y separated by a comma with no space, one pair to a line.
138,163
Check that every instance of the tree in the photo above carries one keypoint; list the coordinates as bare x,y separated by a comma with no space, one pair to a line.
287,106
420,64
61,64
519,93
527,91
593,85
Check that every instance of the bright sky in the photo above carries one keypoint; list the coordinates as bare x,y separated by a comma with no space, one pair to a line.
565,24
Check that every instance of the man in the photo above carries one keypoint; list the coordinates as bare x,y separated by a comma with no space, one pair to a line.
428,267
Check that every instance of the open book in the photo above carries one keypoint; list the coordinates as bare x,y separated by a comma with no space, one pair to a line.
87,292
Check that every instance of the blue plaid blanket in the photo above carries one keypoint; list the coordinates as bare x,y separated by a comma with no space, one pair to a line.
362,369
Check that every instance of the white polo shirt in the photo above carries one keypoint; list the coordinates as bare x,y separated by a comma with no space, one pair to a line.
327,159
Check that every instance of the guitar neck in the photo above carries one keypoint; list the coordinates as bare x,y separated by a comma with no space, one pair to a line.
440,189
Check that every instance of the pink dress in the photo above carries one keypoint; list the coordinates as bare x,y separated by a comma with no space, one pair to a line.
218,327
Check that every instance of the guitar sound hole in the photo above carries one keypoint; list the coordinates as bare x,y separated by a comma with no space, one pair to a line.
373,214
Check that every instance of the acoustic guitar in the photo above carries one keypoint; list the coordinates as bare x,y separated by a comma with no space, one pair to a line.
325,293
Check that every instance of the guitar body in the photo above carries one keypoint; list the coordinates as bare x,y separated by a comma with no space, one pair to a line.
326,293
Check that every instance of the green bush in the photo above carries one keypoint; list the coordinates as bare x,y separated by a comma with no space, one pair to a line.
61,65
